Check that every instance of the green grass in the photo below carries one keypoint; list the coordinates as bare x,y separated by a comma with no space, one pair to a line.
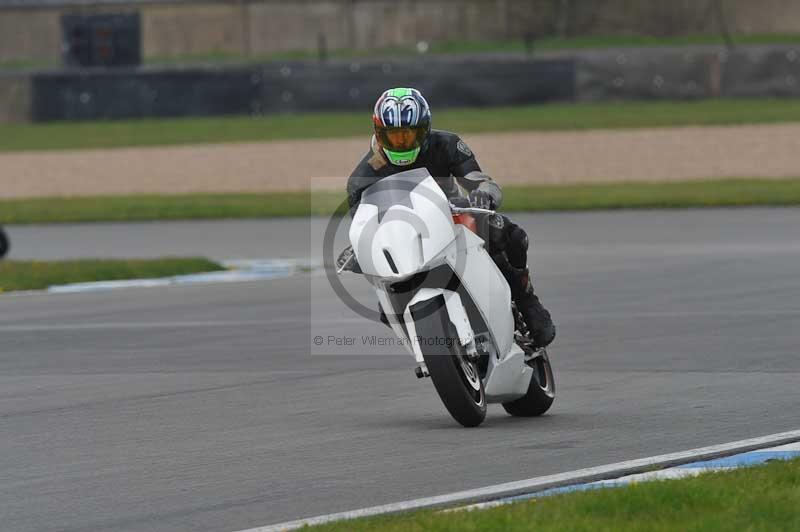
760,498
713,193
479,46
553,117
25,64
608,41
179,207
36,275
719,193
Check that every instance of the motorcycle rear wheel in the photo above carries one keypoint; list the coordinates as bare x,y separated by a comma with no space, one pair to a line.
541,391
454,375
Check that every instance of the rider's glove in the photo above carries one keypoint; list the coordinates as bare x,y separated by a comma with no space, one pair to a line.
346,262
482,200
460,202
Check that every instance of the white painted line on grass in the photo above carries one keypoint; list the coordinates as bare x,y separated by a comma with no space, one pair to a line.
101,326
531,485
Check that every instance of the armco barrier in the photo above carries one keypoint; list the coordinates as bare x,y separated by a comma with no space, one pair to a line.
446,83
485,81
130,93
762,72
688,73
98,94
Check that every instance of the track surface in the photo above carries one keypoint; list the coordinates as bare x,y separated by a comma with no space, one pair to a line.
219,239
201,408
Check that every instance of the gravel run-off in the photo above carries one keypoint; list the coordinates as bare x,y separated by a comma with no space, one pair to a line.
667,154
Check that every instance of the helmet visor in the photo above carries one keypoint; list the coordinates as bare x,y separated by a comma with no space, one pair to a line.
401,138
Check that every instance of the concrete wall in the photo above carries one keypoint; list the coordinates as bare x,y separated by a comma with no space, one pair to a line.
174,30
782,16
29,29
409,21
283,26
29,35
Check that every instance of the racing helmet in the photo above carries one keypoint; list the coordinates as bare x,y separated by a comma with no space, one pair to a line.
402,122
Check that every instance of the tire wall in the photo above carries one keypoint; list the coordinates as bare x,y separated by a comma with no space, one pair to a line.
293,87
691,73
632,74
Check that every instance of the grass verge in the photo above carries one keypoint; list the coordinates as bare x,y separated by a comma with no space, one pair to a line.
552,117
178,207
446,47
483,46
36,275
755,498
713,193
719,193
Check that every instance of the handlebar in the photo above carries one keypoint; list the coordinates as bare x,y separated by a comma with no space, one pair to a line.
470,210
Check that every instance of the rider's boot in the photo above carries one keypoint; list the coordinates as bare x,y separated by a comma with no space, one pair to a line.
538,319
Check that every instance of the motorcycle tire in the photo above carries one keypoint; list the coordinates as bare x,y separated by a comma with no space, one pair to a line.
454,376
541,391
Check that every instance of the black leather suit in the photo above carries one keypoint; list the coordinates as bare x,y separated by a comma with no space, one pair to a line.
451,163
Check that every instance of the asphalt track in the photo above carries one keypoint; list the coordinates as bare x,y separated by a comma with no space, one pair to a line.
203,407
217,239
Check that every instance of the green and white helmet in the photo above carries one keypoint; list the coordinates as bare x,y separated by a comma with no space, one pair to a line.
402,121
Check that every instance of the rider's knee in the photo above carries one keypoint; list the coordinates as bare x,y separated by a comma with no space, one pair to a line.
518,238
517,249
494,231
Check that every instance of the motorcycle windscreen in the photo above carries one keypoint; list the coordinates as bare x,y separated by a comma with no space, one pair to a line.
402,223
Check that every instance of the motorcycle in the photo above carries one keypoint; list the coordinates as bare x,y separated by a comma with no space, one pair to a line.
445,298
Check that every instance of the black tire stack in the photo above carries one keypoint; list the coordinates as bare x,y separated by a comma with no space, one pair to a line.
4,245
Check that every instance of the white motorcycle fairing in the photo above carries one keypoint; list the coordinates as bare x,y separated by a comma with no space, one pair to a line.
409,248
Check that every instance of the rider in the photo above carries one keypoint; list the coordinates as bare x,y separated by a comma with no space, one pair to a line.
404,140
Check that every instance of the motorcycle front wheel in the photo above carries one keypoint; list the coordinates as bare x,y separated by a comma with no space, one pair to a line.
454,375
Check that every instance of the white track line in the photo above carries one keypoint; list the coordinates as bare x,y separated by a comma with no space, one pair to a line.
237,271
532,485
759,456
100,326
